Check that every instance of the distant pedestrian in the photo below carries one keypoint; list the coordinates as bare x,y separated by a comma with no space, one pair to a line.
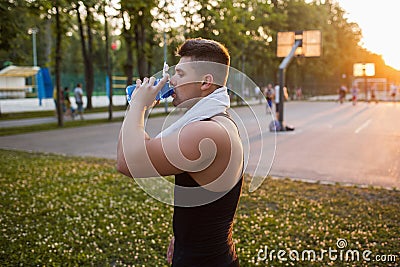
374,96
393,91
269,95
354,94
299,93
56,100
78,93
285,93
277,98
276,94
342,93
69,110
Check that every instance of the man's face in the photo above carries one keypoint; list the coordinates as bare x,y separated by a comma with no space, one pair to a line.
186,82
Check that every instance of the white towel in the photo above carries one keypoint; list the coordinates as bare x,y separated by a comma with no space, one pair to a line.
207,107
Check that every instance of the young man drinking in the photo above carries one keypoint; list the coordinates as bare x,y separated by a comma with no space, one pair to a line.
202,149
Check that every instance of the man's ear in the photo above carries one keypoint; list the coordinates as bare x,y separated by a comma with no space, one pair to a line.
208,81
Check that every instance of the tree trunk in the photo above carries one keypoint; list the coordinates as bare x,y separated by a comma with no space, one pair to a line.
129,60
57,67
87,56
90,71
128,66
140,38
83,43
108,65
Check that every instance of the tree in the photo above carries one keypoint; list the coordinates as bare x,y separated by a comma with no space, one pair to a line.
248,28
15,43
250,40
128,36
108,59
138,34
58,53
86,38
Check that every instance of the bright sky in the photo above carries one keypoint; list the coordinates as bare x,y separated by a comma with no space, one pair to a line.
379,22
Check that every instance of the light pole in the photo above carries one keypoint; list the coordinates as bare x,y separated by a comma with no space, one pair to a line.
33,31
165,60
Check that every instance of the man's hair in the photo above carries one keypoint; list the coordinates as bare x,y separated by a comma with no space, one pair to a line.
200,49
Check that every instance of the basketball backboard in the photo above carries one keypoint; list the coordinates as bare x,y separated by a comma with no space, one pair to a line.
363,69
311,43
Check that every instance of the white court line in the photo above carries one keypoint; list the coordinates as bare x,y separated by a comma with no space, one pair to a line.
364,125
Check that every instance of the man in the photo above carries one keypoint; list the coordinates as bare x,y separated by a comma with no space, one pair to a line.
354,93
342,93
78,93
393,91
269,94
276,94
69,110
202,149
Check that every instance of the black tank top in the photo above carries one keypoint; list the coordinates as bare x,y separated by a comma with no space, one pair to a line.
203,234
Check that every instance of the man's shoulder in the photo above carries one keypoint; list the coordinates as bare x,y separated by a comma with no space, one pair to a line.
220,129
204,128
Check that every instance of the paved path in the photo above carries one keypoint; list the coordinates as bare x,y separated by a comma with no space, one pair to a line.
332,142
19,105
34,121
32,104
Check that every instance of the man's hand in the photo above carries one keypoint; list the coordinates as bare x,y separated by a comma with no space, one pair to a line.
145,92
170,251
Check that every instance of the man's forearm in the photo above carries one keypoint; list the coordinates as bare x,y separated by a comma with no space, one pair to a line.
131,151
122,167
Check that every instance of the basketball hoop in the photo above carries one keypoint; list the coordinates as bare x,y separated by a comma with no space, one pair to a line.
299,45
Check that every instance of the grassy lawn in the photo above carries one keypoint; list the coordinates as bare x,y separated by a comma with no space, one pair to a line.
70,211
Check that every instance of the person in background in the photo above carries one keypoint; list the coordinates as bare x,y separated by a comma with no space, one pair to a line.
277,100
374,97
276,94
69,110
354,93
269,95
342,93
56,101
78,93
299,93
393,91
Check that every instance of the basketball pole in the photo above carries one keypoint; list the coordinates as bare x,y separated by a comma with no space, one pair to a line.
282,69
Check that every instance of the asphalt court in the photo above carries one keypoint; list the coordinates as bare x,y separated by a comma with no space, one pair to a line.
331,143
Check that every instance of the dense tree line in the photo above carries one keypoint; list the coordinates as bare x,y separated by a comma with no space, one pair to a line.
248,28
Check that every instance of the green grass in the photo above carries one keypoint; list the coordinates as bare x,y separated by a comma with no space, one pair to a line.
71,211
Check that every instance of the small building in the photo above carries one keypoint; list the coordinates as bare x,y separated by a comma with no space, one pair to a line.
13,81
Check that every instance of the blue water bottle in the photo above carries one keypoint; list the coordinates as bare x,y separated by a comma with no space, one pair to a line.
165,92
